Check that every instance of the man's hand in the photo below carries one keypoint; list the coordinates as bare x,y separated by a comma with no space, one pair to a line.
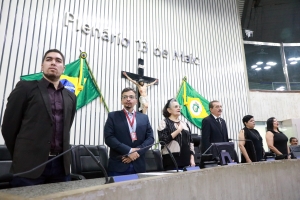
126,160
125,74
133,156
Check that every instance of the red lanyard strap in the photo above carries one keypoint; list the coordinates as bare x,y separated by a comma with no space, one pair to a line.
133,118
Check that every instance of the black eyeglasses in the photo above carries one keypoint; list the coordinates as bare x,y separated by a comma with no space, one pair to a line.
130,97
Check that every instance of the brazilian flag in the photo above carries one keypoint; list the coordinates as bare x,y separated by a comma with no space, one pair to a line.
77,78
194,107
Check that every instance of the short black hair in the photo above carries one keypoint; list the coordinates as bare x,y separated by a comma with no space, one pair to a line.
166,114
292,139
56,51
270,126
211,104
247,118
127,90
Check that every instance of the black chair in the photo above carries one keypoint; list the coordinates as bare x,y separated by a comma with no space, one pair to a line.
197,148
5,164
83,166
295,151
153,160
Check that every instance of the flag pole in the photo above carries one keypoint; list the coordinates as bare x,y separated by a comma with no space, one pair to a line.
183,80
83,55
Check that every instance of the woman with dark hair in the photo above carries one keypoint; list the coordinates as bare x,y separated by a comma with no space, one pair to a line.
250,141
177,136
277,140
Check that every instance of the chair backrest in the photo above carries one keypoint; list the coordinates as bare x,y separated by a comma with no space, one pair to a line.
153,160
83,164
197,148
295,151
5,164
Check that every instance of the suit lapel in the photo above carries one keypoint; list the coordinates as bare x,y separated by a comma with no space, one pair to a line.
66,103
125,123
45,95
217,124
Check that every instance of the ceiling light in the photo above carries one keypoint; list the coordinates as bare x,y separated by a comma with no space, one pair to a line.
280,89
259,63
253,66
257,69
291,59
293,63
267,67
271,63
297,58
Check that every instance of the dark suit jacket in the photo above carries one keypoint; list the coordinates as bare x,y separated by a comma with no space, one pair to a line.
212,132
27,126
117,137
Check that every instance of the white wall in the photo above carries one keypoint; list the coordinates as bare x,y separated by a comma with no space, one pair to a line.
209,30
281,105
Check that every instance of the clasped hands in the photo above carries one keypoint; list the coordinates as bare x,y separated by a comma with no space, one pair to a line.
131,156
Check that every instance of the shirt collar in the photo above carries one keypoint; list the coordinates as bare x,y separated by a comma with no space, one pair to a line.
215,116
133,111
49,84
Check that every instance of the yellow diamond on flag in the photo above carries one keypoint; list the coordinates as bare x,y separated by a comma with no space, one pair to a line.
74,81
196,108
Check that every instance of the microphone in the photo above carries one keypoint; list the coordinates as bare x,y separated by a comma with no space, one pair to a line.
212,144
245,140
8,177
171,155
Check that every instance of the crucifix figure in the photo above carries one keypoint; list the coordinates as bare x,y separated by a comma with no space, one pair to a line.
142,82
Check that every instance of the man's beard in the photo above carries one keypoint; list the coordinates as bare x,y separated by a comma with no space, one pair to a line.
52,77
141,84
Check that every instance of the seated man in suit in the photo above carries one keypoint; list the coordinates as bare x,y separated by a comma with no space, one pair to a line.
213,126
127,131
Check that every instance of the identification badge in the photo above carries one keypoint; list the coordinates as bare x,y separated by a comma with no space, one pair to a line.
133,136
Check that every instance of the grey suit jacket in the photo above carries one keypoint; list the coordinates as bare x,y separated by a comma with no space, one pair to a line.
27,126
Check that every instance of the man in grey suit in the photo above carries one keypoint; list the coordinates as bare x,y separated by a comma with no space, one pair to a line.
36,125
214,128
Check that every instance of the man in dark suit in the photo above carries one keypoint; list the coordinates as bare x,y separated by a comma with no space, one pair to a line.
127,131
36,125
214,128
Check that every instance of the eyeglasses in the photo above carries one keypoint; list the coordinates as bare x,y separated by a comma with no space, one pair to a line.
130,97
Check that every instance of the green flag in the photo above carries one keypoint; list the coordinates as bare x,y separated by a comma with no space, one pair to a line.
194,107
78,78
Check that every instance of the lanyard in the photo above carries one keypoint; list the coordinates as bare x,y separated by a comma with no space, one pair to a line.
133,118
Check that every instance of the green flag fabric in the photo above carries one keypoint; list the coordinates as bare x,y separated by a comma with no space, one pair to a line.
194,107
78,79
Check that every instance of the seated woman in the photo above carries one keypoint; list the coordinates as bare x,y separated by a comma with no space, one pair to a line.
250,143
277,140
177,136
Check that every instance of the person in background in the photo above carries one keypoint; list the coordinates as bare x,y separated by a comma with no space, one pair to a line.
250,141
293,141
177,136
277,140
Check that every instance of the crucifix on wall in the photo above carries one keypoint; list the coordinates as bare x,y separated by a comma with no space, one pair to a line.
142,82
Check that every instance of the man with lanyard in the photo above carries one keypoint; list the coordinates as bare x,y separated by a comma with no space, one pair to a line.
127,133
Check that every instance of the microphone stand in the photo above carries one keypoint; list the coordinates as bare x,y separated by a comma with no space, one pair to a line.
7,177
171,155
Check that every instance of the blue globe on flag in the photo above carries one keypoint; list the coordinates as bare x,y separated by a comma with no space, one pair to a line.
68,85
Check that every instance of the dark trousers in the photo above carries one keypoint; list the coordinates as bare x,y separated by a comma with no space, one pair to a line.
54,172
130,170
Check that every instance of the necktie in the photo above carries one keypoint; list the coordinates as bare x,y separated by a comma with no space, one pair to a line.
219,120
